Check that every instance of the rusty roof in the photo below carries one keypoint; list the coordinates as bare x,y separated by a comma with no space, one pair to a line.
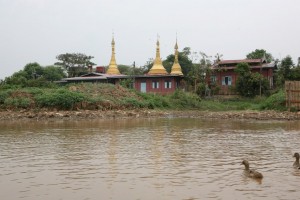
239,61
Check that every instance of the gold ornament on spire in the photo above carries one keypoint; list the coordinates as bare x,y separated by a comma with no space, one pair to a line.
113,68
157,67
176,68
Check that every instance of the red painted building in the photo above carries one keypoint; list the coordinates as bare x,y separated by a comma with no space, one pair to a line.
159,84
224,76
157,80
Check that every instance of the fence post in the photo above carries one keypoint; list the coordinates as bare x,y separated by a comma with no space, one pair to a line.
289,96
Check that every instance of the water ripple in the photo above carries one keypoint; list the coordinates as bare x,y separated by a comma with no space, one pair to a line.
148,159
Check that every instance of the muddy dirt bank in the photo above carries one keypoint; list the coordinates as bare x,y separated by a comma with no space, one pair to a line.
111,114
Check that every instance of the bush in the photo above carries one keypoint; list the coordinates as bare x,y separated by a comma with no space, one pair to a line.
274,102
132,102
19,102
4,95
61,99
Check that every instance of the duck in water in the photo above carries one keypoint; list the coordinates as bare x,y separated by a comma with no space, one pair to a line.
250,172
296,163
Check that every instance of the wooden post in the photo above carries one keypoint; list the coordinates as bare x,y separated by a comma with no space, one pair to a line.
289,96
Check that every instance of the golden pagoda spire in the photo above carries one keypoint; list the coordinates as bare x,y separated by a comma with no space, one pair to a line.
157,67
176,68
113,68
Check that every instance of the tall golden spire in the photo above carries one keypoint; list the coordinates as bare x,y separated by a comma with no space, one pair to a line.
113,68
157,67
176,68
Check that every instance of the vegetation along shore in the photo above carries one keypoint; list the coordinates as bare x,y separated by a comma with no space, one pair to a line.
107,101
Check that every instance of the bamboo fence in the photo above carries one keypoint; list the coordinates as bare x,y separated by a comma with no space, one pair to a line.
292,94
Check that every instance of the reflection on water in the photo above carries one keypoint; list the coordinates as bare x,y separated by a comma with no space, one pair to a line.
148,159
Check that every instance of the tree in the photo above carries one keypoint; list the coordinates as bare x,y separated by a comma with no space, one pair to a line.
33,70
18,78
53,73
260,53
248,84
124,69
34,75
75,63
184,61
285,67
218,58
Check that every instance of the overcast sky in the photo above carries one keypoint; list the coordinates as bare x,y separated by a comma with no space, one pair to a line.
39,30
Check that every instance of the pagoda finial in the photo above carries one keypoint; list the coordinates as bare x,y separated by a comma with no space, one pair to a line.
176,68
113,38
157,67
176,46
113,68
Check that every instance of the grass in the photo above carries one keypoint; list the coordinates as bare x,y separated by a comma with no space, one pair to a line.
108,96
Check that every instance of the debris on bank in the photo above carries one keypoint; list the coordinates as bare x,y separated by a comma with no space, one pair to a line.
116,114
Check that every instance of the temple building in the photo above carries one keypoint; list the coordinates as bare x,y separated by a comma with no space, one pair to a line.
157,80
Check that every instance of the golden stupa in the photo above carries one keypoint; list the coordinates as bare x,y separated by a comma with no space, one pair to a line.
157,67
176,68
113,68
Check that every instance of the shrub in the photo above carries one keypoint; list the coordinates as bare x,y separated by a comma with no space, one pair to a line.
19,102
4,95
61,99
132,102
274,102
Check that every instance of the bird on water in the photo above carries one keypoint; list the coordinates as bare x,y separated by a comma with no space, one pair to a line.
250,172
296,163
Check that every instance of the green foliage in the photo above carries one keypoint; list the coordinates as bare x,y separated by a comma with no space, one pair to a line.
74,63
17,102
197,74
109,96
249,84
130,102
125,69
184,61
18,78
34,75
53,73
260,53
180,99
127,83
61,99
285,68
4,94
286,71
274,102
296,73
33,71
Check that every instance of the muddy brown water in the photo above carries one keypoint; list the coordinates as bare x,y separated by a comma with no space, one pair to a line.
128,159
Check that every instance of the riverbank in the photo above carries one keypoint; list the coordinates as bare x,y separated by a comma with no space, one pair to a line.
144,113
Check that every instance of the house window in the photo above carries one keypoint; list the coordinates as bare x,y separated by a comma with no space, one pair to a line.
155,84
226,80
213,79
168,84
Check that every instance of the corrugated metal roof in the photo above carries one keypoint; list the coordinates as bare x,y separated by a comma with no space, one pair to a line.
267,65
98,76
239,61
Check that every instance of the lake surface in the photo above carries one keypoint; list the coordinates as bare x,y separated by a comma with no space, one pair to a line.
128,159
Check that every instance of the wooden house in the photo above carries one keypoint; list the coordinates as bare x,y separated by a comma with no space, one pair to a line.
223,73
